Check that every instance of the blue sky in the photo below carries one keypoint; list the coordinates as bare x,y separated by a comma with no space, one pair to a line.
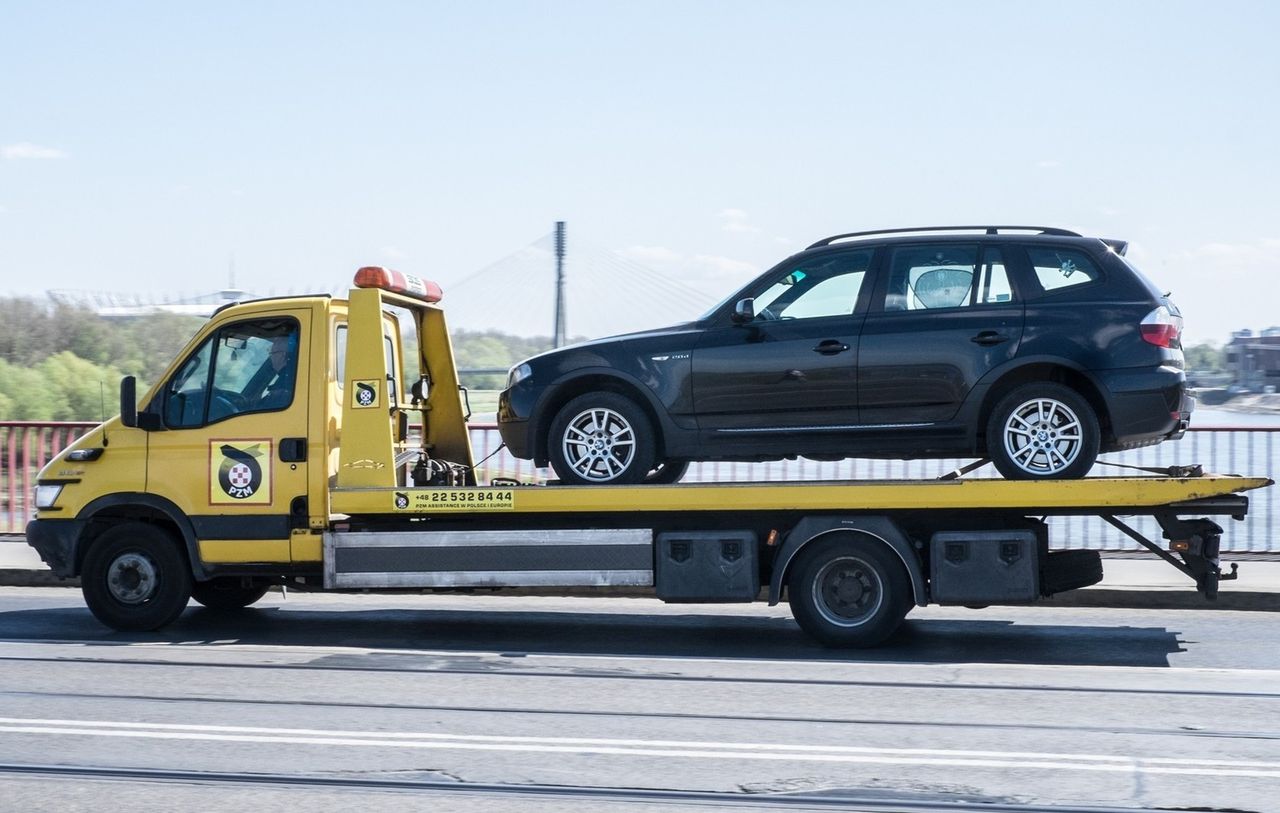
142,144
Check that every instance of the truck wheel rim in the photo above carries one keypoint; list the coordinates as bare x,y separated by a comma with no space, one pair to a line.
1043,436
132,578
848,591
599,444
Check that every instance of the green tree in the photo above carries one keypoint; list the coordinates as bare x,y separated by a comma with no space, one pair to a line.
78,390
26,397
1205,357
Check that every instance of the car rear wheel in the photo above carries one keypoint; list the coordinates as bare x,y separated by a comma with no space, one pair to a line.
1043,431
601,438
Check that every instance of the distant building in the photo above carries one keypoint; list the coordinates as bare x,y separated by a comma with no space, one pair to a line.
1254,361
118,305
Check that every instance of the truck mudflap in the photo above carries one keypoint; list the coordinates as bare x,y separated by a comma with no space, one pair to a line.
1196,543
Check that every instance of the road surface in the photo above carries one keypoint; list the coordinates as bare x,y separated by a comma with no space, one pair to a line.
499,703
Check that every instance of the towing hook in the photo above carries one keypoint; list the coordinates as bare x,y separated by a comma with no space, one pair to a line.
1234,574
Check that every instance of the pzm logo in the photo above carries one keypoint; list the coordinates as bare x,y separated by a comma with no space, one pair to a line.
365,394
240,475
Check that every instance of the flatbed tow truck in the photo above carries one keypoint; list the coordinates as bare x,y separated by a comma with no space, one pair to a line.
276,450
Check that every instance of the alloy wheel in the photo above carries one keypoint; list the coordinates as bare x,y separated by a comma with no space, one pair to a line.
1043,436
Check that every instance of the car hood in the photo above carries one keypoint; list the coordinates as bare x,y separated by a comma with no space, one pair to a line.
592,346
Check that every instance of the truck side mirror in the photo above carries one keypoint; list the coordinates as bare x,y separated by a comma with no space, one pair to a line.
744,311
129,401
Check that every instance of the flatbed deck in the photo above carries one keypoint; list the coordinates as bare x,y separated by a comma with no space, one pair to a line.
1110,495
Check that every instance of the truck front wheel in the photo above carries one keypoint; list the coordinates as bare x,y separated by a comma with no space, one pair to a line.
135,578
849,591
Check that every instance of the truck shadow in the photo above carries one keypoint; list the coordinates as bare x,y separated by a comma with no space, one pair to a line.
617,634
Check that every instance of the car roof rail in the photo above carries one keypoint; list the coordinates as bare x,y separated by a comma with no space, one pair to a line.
1050,230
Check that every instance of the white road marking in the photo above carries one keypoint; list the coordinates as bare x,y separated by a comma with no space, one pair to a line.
636,747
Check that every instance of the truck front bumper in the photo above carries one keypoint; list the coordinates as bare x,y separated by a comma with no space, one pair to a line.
56,541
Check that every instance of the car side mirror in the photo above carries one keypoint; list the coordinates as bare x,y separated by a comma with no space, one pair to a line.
129,414
744,311
129,401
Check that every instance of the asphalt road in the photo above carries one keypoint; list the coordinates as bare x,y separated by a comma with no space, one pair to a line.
497,703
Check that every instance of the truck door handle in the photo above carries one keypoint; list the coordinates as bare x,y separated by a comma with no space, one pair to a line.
830,347
988,338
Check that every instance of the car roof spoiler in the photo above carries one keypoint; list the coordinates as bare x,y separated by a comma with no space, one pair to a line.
1118,246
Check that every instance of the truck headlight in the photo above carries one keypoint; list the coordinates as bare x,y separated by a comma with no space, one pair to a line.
518,374
46,496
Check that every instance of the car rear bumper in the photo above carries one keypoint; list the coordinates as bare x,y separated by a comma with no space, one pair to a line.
1147,405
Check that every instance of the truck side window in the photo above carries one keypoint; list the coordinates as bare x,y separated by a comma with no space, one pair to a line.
254,369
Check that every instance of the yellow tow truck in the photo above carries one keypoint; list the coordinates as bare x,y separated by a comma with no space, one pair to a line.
277,450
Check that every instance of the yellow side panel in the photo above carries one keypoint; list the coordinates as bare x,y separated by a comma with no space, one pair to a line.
222,551
367,457
305,546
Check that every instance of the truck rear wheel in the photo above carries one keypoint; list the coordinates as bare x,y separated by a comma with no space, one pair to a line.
849,591
135,578
227,594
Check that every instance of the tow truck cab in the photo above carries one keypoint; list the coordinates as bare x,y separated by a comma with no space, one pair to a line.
270,405
276,451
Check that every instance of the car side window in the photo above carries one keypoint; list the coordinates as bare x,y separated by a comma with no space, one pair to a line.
932,277
1058,268
823,286
245,367
993,279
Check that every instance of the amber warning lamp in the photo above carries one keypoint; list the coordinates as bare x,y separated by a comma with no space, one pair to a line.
373,276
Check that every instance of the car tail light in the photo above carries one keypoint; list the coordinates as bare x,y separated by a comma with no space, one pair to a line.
1162,328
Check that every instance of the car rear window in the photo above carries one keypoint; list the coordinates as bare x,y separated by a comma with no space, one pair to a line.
1059,268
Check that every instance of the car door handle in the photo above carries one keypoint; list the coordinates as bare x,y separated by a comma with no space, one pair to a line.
830,347
987,338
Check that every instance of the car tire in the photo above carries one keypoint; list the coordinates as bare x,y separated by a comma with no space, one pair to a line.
601,438
135,578
849,591
1043,431
667,472
227,594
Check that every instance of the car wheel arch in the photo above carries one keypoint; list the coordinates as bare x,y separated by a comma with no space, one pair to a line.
1030,371
114,509
595,380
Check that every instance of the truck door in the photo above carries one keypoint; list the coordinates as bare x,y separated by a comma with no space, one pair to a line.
233,451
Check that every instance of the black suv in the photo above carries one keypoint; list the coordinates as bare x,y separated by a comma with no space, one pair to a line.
1035,347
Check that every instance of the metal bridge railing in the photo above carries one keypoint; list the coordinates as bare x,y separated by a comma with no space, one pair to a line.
25,447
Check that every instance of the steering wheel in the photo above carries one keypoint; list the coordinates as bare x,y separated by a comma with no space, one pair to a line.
226,402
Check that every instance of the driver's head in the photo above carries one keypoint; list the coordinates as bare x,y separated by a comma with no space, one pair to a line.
279,352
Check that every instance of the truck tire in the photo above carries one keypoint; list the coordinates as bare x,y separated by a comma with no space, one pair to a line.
1043,431
135,577
227,594
1065,570
601,438
849,591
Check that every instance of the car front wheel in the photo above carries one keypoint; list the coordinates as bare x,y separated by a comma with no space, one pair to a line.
601,438
1043,431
